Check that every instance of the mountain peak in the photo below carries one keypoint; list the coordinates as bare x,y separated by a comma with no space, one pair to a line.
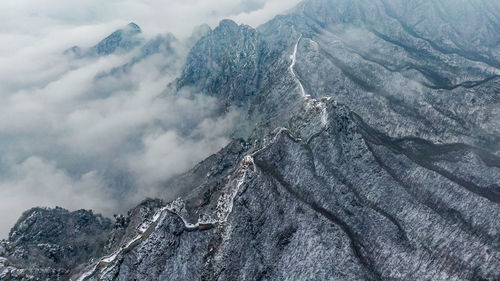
122,39
228,24
134,26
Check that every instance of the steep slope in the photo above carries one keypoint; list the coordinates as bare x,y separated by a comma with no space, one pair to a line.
227,63
332,197
343,203
404,76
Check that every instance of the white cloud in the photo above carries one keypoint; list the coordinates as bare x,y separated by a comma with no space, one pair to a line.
65,135
267,12
38,17
167,153
36,182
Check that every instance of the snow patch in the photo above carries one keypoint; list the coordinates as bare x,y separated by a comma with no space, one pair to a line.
293,57
310,102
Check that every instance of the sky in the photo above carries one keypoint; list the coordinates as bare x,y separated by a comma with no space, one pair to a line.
68,139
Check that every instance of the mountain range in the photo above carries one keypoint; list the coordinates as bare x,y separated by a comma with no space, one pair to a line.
370,150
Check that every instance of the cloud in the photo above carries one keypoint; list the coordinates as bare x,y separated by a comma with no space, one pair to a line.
167,153
38,182
256,17
155,16
63,144
69,139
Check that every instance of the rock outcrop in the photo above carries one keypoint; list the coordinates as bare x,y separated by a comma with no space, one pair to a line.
47,244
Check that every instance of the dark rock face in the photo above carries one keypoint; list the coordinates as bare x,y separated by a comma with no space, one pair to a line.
49,243
373,152
226,62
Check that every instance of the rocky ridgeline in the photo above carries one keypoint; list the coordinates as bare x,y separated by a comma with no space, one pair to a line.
50,242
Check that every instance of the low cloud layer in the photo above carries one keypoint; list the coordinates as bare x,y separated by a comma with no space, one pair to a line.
73,140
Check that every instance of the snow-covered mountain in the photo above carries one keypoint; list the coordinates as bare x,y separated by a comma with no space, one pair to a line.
369,151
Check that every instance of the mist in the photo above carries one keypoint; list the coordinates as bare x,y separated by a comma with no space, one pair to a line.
75,135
